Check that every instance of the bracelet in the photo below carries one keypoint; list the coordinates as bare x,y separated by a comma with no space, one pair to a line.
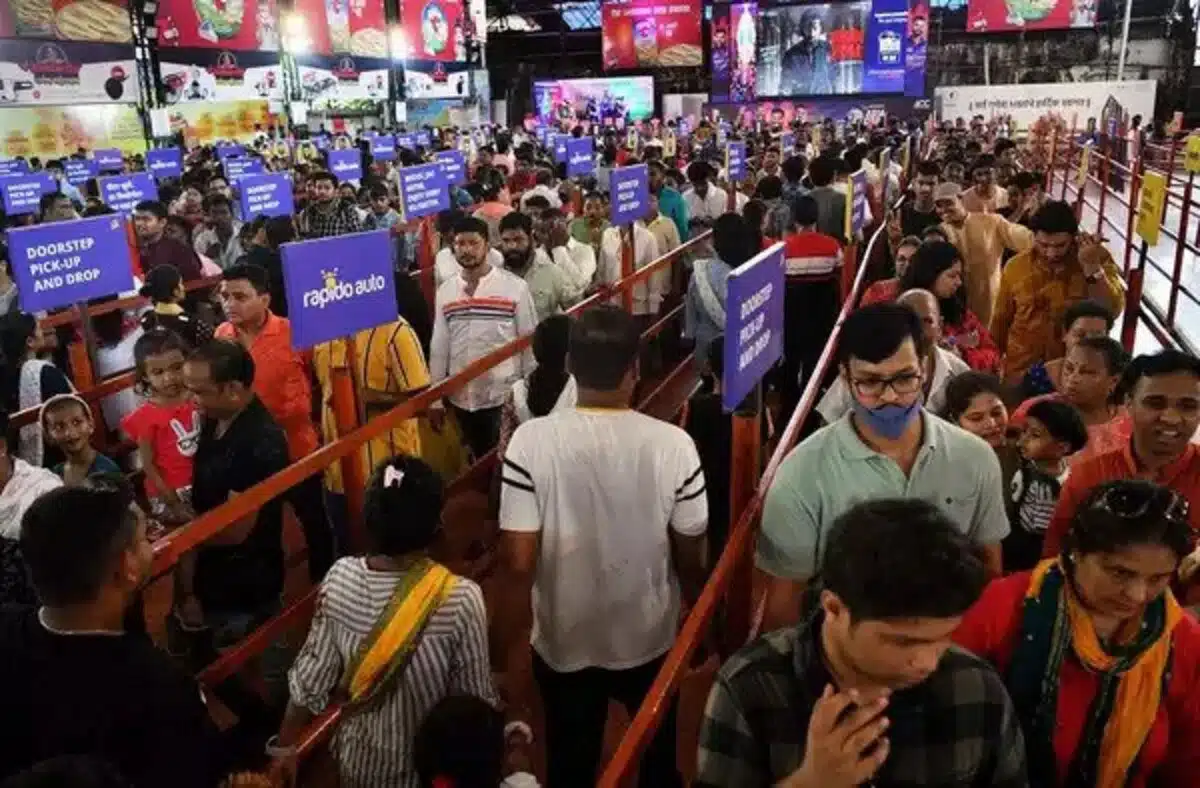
521,727
275,750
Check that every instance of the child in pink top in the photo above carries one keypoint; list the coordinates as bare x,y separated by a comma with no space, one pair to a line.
166,427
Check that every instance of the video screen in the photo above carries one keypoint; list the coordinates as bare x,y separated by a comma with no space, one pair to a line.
1002,16
611,101
647,33
829,49
734,51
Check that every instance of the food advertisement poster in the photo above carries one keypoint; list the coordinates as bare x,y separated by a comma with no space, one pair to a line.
345,27
59,131
67,20
646,33
1002,16
49,72
245,25
433,79
342,78
436,30
232,121
220,75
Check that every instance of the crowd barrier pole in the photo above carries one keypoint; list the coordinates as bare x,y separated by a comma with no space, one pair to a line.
745,466
1177,274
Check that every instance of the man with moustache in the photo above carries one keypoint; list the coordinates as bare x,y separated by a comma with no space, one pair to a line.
552,290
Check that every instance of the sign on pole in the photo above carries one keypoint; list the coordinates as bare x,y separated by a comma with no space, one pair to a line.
228,150
109,159
165,162
22,194
560,147
63,263
423,191
787,143
1151,203
581,157
14,167
735,161
630,187
80,171
753,324
1085,163
454,166
123,192
338,286
346,164
269,194
383,147
238,168
856,205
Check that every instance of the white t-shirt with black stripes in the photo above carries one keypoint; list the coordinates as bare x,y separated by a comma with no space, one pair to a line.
603,487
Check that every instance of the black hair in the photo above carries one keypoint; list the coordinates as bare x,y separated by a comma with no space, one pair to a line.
448,220
603,347
16,329
154,207
402,509
1107,528
874,332
228,362
822,170
279,230
216,200
966,386
1062,420
929,167
491,182
805,211
1054,217
256,275
984,162
162,282
769,187
537,202
515,220
698,171
930,261
62,402
469,224
901,558
68,771
1002,145
1027,180
155,342
69,557
793,168
48,199
323,175
1087,308
733,240
1167,361
551,341
461,739
934,232
1116,359
754,212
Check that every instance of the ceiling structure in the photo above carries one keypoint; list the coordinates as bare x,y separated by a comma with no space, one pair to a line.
539,16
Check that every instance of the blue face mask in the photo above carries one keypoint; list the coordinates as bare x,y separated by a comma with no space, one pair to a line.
888,421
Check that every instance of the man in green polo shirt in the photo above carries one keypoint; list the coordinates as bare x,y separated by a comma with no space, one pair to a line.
887,446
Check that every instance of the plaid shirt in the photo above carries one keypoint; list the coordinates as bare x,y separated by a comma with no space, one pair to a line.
318,223
955,729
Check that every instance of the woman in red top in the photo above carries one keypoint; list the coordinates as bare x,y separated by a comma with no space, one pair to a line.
1102,663
888,289
938,267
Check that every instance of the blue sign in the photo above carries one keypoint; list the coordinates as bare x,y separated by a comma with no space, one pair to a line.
423,191
683,129
227,150
383,147
321,141
14,167
630,189
423,138
454,166
238,168
269,194
123,192
407,141
23,193
80,171
753,324
735,161
856,206
787,143
338,286
109,159
883,48
581,157
346,165
543,134
560,147
165,162
63,263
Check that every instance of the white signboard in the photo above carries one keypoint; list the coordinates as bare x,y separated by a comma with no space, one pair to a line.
1027,103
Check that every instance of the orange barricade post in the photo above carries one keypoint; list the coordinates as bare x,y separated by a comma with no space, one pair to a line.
346,410
1105,173
426,254
745,467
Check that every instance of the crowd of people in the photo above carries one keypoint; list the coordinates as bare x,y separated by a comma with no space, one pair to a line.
977,561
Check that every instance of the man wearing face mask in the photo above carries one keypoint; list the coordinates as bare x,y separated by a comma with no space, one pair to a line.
551,288
77,679
887,446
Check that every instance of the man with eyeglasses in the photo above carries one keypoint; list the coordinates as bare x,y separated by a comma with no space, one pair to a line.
887,446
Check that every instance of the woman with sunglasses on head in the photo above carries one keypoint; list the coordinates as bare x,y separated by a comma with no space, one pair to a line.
1102,663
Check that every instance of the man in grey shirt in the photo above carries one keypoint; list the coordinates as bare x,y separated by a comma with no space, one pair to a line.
887,446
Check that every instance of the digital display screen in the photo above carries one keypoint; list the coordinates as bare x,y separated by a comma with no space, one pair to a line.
1003,16
734,51
609,101
649,33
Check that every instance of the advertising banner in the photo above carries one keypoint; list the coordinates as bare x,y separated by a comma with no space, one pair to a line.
433,79
735,161
436,29
630,188
268,194
649,33
581,157
191,75
123,192
203,123
237,167
871,112
734,51
342,78
346,164
67,20
454,166
336,27
753,324
383,147
50,72
23,193
338,286
423,191
63,263
165,162
80,171
883,51
1026,104
1002,16
916,46
602,101
109,159
242,25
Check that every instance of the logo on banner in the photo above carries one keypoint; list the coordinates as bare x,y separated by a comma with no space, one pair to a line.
227,68
890,48
345,164
50,63
346,70
335,289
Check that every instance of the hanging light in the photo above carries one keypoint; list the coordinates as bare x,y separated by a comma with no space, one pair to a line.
399,44
295,34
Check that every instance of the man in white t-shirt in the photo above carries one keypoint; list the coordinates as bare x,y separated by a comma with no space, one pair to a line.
603,518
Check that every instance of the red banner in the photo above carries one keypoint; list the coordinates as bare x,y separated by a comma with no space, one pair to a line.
644,33
435,29
218,24
345,27
67,20
999,16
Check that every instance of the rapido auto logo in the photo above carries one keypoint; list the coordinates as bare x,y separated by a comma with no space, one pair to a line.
335,289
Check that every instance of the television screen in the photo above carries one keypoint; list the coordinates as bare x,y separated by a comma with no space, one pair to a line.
828,49
609,101
647,33
734,34
1000,16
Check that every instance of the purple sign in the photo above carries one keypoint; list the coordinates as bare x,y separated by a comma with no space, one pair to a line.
23,193
63,263
454,166
856,206
269,194
630,189
735,161
383,147
346,164
581,157
109,159
123,192
787,143
883,47
423,191
560,147
165,162
14,167
407,140
423,138
238,168
80,171
227,150
338,286
321,141
753,324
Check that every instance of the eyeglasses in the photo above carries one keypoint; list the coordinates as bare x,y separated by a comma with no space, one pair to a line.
1130,502
904,383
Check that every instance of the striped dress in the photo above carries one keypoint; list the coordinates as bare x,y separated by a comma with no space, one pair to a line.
374,747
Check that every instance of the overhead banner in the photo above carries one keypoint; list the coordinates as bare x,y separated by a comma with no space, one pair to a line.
871,112
64,263
734,51
433,79
435,30
649,33
51,132
337,27
239,25
67,20
1003,16
208,122
342,78
205,75
1066,101
51,72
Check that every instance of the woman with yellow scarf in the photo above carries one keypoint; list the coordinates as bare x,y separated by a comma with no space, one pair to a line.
1102,663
